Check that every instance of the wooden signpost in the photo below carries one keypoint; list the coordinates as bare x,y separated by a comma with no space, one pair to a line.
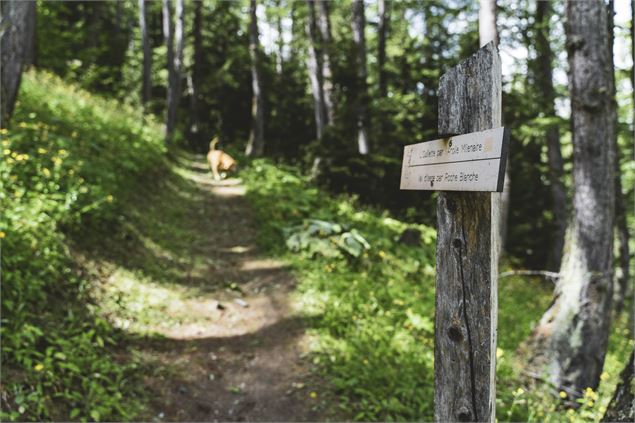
467,238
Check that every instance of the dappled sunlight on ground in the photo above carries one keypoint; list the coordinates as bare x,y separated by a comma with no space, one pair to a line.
203,307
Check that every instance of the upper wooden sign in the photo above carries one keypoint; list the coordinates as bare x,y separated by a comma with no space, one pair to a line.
470,162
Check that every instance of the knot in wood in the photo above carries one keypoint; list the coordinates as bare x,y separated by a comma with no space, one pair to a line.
455,334
457,243
464,415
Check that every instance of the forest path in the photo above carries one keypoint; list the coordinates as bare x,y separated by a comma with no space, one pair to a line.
218,331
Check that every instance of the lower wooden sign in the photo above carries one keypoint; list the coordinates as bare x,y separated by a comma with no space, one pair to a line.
470,162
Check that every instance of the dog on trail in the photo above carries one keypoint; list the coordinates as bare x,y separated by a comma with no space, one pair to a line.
218,160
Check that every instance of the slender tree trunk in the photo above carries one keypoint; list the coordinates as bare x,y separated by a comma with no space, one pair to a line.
30,53
359,25
326,48
620,209
382,30
168,35
18,32
544,82
146,88
488,32
487,22
314,68
571,339
178,62
195,77
255,145
622,405
280,39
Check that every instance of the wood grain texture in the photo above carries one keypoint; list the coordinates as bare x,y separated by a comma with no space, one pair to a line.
467,265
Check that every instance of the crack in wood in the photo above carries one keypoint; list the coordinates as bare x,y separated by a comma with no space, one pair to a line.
467,324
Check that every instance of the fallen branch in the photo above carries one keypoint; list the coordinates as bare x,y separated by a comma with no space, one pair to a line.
545,273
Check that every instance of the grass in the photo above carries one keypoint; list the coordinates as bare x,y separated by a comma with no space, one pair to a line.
373,315
70,159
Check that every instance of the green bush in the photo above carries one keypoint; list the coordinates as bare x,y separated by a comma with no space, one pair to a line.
68,159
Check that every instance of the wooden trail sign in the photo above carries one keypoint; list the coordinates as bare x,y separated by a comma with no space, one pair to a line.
466,302
471,162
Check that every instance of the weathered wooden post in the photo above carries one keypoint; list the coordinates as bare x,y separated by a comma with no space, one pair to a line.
467,259
467,254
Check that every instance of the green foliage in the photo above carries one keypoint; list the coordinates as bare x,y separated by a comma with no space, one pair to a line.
326,239
372,318
68,159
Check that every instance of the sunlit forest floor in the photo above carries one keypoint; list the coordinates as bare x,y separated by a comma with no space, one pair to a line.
137,288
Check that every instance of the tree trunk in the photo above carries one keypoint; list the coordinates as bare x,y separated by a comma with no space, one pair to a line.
488,32
466,299
487,22
196,76
255,145
382,30
314,68
178,61
621,226
544,82
280,39
146,88
18,32
326,47
30,37
359,25
571,339
622,406
168,35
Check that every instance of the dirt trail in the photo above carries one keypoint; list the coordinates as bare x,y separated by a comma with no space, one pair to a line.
240,355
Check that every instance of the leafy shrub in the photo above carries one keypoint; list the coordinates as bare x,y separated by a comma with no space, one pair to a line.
68,160
325,238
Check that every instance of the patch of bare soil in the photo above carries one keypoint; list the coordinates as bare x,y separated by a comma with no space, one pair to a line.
241,354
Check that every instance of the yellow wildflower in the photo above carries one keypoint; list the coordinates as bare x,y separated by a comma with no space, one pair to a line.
313,394
4,131
109,198
41,150
39,367
563,394
46,172
2,234
63,152
6,151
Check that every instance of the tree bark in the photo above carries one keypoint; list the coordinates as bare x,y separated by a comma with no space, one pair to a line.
489,33
382,30
196,76
487,22
178,59
621,226
571,339
280,39
314,68
359,25
467,260
18,32
146,88
255,145
622,405
168,35
544,83
326,47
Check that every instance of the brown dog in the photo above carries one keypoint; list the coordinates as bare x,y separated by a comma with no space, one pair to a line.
218,160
